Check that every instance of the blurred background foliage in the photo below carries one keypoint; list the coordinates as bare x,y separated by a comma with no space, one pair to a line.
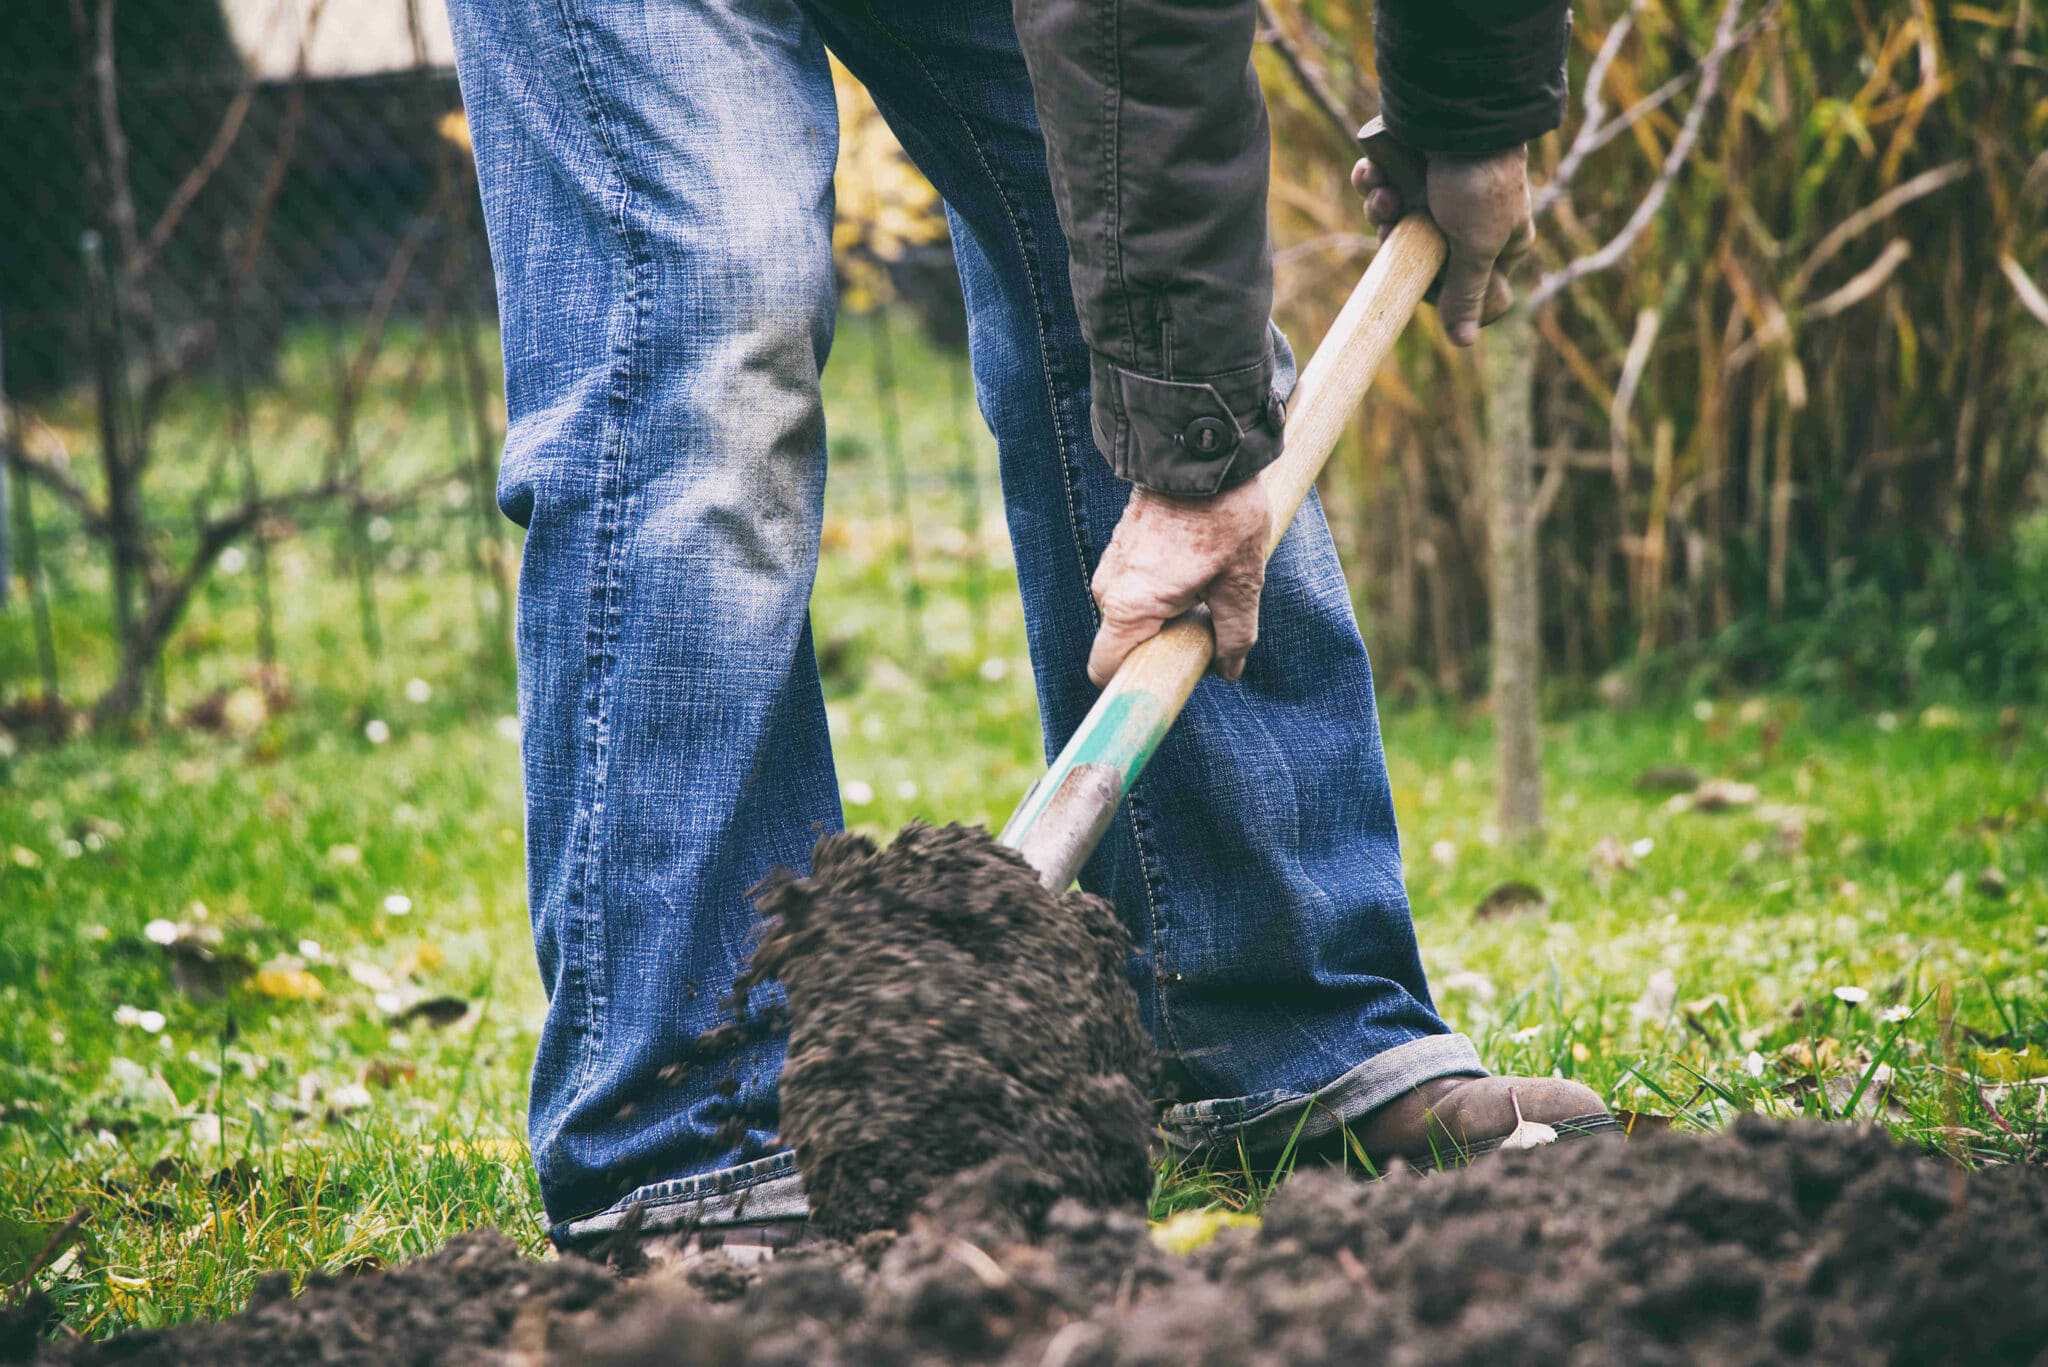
1796,432
1791,428
1824,457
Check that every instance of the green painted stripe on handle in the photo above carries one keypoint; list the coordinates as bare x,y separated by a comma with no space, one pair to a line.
1120,732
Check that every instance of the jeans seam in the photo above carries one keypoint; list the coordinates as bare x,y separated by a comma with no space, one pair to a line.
1149,869
601,637
1038,294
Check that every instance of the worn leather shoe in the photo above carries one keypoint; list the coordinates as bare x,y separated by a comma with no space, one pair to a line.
1452,1120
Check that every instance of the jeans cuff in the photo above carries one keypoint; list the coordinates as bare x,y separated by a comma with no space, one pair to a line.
749,1193
1266,1122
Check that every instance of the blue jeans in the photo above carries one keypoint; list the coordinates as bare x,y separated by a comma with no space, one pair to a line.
657,182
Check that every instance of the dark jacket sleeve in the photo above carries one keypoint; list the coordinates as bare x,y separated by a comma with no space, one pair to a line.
1156,134
1468,77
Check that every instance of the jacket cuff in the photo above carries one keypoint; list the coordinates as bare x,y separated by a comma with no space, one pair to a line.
1195,436
1472,77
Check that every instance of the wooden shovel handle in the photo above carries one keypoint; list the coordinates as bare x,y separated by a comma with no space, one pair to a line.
1063,817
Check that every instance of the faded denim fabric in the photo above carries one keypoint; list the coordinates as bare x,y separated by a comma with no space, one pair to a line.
657,184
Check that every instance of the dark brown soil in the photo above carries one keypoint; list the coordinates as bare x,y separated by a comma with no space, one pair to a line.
944,1011
1774,1243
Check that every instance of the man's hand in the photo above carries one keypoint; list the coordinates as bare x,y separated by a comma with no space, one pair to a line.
1482,205
1170,553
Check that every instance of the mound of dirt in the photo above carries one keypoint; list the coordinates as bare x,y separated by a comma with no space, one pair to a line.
1771,1244
945,1011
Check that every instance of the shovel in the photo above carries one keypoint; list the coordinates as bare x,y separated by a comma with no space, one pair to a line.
1064,816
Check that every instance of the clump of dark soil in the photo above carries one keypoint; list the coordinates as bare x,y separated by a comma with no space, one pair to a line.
945,1011
1774,1243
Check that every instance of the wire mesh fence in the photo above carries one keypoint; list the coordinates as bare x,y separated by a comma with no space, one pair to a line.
247,319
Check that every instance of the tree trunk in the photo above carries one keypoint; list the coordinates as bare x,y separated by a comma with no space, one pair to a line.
1510,362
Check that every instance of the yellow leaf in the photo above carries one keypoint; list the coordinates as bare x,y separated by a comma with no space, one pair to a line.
288,984
129,1295
424,958
2003,1065
454,127
1182,1234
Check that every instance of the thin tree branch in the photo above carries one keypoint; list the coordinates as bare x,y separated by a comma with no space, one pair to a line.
52,1246
1586,144
1648,323
195,180
209,164
59,480
2023,285
1870,215
1864,283
1652,203
1308,74
1596,114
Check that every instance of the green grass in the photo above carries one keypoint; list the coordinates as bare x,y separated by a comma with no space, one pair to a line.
1693,970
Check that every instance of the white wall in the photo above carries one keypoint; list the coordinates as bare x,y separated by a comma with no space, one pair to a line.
353,37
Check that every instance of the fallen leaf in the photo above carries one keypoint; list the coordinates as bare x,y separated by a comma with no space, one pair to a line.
1610,855
425,957
371,976
350,1096
1527,1134
129,1295
1509,898
1722,794
1842,1088
2006,1065
287,984
1660,994
1189,1230
384,1072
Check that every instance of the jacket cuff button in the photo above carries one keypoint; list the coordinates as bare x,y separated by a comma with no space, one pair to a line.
1208,437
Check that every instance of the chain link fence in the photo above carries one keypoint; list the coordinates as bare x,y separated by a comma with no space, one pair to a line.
244,298
248,359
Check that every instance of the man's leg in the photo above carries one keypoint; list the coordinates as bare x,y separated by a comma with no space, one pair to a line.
657,185
1256,861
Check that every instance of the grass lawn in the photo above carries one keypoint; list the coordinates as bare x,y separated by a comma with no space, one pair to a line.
1864,934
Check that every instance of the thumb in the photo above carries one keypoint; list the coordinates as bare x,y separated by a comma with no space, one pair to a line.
1461,300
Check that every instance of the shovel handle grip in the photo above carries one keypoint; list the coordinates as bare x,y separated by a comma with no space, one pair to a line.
1065,814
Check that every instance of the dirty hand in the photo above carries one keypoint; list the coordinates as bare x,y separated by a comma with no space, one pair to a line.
1482,205
1172,552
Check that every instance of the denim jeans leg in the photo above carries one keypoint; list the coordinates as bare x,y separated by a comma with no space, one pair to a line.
657,187
1256,861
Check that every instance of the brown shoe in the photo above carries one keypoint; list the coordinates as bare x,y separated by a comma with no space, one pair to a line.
1453,1120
